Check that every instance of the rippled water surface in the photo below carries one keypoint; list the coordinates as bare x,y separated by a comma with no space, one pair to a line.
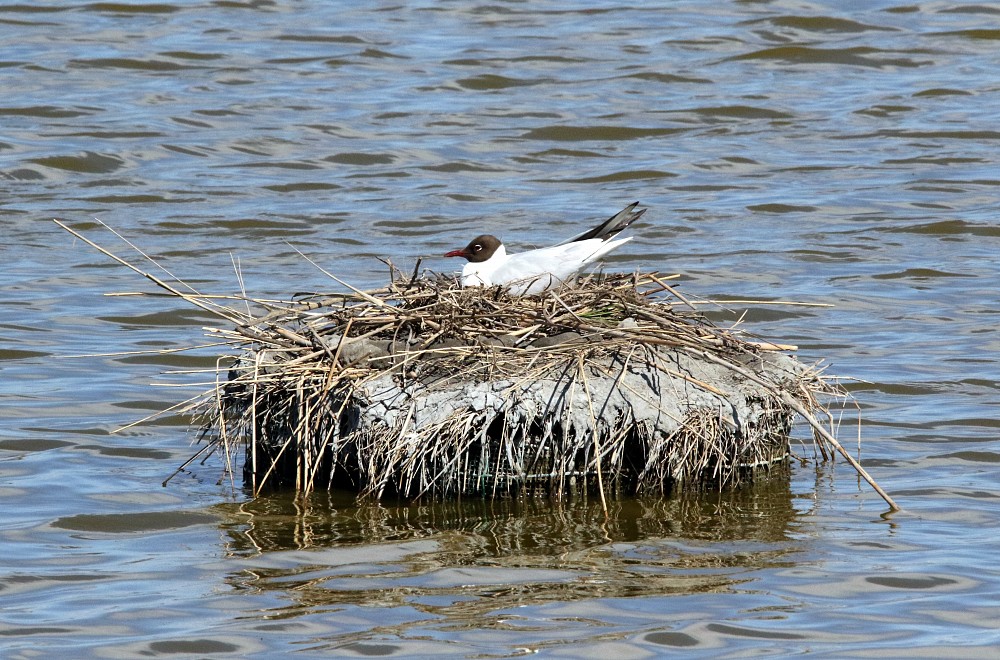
832,152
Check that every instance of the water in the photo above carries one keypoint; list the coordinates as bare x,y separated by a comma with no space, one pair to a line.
821,152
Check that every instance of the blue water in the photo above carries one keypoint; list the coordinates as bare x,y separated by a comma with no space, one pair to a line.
823,153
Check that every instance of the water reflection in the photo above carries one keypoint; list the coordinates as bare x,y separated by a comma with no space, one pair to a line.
462,558
511,527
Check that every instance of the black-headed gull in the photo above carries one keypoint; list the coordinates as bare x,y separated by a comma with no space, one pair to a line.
537,270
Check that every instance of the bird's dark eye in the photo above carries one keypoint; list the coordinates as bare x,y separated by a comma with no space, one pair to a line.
477,248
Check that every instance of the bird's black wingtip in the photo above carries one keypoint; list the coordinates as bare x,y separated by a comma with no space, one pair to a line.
613,225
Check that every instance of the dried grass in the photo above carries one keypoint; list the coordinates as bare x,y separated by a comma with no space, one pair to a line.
301,396
423,388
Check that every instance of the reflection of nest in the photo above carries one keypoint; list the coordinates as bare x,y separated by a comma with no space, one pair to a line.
518,530
470,558
428,388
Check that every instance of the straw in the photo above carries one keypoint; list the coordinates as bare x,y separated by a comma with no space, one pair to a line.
614,383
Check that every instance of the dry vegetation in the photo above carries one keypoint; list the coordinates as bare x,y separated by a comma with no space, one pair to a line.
422,388
428,392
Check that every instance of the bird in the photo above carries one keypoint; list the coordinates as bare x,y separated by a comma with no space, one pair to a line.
534,271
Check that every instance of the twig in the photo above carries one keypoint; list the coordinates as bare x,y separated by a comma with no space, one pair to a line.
790,401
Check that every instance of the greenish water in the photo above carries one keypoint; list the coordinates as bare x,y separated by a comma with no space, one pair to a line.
829,152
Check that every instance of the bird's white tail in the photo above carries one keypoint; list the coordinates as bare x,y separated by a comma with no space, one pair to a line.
605,247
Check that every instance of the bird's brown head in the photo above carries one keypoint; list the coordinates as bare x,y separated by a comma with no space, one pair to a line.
479,250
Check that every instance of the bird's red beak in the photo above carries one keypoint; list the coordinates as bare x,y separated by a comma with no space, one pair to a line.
457,253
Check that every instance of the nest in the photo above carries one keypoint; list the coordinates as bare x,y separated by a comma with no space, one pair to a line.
424,388
428,388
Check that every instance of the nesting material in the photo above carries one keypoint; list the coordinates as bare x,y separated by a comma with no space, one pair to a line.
426,388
